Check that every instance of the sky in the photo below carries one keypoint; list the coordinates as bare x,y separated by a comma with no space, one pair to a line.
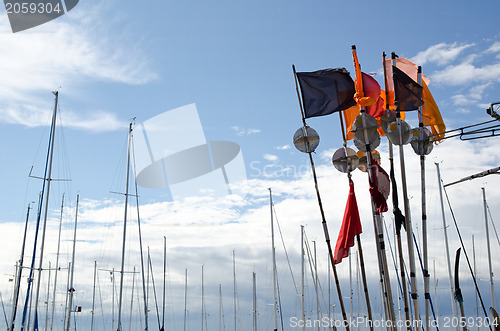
116,62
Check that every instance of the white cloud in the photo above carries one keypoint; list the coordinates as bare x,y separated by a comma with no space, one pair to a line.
244,132
59,54
270,157
467,73
283,148
495,48
441,53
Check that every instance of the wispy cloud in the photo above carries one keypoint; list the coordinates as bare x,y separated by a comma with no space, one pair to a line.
441,54
58,54
270,157
244,132
283,148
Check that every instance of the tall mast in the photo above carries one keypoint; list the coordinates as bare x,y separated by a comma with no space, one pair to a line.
274,263
234,290
302,276
489,251
19,273
93,298
185,299
254,283
146,322
120,298
46,182
448,262
164,273
48,178
71,290
57,266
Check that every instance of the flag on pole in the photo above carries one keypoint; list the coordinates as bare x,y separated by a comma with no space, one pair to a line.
380,187
326,91
371,91
351,226
407,92
430,111
431,114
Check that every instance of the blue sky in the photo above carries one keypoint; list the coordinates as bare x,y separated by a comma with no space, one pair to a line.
113,61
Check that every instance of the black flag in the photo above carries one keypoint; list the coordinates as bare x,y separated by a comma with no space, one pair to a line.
326,91
408,92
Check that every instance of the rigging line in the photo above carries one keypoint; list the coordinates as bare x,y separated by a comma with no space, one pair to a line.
154,291
140,237
392,255
492,223
279,302
466,256
286,254
314,277
422,268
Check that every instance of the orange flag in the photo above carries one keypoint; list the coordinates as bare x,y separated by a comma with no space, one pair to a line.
430,111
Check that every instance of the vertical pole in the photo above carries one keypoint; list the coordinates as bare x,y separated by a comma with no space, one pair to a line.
234,290
323,222
489,250
185,299
303,308
48,178
424,210
19,273
409,229
48,297
255,303
57,266
164,278
93,297
273,250
131,301
397,212
120,298
71,290
202,300
448,262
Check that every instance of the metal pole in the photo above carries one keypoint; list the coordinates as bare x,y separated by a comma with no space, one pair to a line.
274,262
120,297
489,251
409,229
71,289
448,262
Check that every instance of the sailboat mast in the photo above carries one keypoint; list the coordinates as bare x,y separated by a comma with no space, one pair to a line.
489,251
71,290
185,299
450,278
142,258
254,283
120,298
164,278
19,273
274,262
302,276
57,265
48,179
93,298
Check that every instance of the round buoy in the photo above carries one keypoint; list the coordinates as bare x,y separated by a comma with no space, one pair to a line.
345,163
306,139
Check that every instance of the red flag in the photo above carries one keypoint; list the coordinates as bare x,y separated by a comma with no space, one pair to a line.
351,226
379,187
